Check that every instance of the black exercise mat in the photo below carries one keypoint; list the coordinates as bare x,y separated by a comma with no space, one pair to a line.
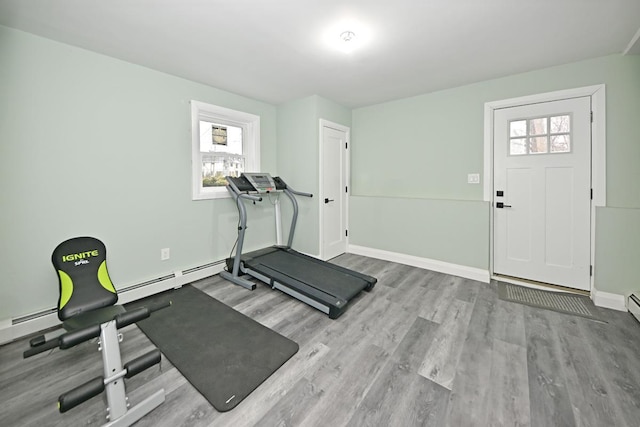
224,354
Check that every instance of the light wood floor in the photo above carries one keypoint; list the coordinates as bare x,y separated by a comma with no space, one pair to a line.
422,348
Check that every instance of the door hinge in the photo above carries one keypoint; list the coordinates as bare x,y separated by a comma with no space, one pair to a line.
592,117
590,270
346,189
346,233
591,195
346,145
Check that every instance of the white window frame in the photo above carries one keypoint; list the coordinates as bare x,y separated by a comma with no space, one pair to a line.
250,139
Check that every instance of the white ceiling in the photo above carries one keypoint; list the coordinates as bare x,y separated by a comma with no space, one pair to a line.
275,50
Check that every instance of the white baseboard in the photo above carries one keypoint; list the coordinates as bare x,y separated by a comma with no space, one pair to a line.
426,263
601,299
12,329
609,300
5,331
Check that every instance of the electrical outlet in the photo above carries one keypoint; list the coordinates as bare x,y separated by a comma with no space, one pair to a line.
473,178
164,254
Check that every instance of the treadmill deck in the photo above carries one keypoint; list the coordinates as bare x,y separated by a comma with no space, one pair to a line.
331,285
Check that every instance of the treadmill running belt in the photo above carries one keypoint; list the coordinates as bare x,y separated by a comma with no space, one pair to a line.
319,276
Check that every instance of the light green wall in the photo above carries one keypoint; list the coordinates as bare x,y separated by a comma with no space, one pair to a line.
423,148
91,145
419,222
297,165
617,267
298,161
333,112
418,147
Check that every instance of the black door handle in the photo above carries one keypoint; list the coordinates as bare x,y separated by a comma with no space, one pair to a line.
501,205
326,200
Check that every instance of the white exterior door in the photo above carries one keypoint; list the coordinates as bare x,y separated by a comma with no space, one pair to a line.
542,192
333,190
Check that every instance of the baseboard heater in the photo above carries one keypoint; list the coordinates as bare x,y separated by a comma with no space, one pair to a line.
634,306
20,326
46,312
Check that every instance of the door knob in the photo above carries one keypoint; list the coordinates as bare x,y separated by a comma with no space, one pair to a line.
501,205
326,200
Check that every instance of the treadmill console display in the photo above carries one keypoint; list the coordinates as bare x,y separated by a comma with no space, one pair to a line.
262,182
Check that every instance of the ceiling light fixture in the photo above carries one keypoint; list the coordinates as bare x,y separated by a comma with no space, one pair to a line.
347,36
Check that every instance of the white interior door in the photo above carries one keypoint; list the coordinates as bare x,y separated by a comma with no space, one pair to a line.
542,192
333,191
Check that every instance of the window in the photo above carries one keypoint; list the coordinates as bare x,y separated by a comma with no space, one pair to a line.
540,135
225,142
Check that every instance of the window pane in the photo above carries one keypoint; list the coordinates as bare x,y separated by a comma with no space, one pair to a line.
220,138
560,144
561,124
517,146
518,128
538,144
221,150
538,126
216,166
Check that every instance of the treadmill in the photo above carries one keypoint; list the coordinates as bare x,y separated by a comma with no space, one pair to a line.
322,285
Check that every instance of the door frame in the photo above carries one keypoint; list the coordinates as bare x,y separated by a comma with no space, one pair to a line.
598,153
347,130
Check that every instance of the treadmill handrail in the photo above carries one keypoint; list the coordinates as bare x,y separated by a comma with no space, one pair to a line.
296,192
235,191
242,212
294,217
250,197
299,193
291,193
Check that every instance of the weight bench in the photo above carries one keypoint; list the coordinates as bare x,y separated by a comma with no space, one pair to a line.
87,307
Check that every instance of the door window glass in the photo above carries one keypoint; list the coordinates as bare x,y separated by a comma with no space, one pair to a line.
540,135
